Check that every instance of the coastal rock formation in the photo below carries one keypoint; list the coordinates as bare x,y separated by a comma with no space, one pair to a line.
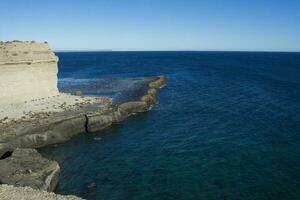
98,121
134,107
60,127
28,70
26,167
158,83
9,192
34,114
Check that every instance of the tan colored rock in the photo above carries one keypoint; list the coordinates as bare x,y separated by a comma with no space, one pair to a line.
27,71
9,192
134,107
149,99
159,82
152,92
98,122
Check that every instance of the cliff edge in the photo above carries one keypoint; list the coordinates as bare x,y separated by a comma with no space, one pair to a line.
34,114
28,70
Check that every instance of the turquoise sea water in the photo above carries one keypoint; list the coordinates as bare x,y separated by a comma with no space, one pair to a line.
227,126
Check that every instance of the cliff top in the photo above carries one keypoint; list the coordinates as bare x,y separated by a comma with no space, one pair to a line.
14,52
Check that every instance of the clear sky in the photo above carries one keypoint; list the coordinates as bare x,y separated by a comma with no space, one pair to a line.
252,25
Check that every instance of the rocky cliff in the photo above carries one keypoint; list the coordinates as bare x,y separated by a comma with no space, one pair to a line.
28,74
28,70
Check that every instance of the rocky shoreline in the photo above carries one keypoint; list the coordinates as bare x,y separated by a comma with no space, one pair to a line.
9,192
21,138
26,167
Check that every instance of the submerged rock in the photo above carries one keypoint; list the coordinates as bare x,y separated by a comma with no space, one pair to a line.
26,167
91,185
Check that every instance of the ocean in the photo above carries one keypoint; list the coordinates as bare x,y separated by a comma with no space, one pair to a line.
227,126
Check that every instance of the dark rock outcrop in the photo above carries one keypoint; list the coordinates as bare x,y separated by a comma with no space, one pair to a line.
57,130
26,167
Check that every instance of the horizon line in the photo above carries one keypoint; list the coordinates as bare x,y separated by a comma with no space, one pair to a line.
110,50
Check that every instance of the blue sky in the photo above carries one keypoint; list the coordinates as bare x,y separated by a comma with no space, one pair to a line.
251,25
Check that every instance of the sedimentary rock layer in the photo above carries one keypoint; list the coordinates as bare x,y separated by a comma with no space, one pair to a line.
28,70
59,128
26,167
62,126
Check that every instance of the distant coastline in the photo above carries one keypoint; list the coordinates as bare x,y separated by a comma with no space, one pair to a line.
100,50
204,51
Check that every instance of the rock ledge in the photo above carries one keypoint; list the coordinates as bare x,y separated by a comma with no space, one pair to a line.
26,167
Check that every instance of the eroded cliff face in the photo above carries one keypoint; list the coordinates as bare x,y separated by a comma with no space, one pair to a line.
28,70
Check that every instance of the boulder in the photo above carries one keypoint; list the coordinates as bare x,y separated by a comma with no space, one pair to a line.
159,82
149,99
152,92
134,107
26,167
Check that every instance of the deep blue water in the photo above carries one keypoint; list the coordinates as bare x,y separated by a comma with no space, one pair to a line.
227,126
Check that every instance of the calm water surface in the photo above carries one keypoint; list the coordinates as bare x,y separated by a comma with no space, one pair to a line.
227,126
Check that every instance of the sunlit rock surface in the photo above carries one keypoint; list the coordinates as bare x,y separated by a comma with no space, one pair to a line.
9,192
28,70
